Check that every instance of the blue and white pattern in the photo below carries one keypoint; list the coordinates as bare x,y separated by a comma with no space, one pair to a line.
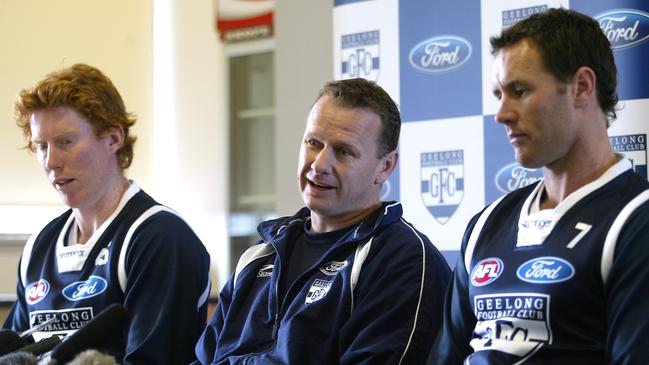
434,60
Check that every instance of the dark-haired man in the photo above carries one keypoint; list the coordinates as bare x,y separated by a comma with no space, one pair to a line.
346,280
554,273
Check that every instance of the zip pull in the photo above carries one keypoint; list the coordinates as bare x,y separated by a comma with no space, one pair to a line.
276,326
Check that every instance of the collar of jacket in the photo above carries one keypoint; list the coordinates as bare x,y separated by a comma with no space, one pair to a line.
277,230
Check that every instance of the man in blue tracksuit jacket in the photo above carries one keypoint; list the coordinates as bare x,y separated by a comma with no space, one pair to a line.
346,280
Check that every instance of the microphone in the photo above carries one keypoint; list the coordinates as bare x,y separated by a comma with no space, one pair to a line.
93,357
9,341
18,358
41,346
92,335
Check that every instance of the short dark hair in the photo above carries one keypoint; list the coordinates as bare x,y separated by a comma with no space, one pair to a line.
362,93
90,93
568,40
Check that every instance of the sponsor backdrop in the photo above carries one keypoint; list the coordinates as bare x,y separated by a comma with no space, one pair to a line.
433,57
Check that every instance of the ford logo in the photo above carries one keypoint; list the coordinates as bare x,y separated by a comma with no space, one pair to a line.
440,54
514,176
624,28
79,290
545,270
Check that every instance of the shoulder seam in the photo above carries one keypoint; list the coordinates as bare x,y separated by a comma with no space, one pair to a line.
362,250
121,262
253,253
608,250
25,258
475,233
421,288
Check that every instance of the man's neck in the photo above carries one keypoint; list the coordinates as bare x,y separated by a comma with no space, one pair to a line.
560,183
89,219
321,224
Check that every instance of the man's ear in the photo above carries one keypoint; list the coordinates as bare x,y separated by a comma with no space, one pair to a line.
584,84
388,163
115,138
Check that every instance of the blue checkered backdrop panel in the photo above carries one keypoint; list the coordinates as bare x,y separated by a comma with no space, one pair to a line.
433,57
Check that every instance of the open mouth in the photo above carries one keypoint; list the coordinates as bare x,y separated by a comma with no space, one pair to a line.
62,183
319,186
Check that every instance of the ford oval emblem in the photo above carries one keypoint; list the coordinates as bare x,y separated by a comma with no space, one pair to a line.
79,290
624,28
440,54
545,270
514,176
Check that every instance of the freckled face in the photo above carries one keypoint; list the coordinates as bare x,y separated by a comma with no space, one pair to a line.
78,164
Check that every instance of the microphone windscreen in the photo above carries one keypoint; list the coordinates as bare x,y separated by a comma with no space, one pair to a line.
18,358
9,341
93,335
42,346
92,357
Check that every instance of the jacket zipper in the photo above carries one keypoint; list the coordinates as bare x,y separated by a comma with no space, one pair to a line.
279,307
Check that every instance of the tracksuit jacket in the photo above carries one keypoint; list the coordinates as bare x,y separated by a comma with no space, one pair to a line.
375,297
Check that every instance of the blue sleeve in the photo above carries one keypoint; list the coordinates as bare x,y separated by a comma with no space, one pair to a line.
206,346
397,304
166,293
627,294
452,344
17,319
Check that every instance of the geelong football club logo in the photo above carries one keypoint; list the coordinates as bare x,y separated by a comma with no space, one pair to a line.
624,28
102,258
332,267
486,271
360,55
440,54
85,289
633,147
514,323
318,290
513,16
545,270
514,176
36,291
442,182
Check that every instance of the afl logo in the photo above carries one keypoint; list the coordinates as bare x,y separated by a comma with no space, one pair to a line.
486,271
332,267
545,270
36,291
624,28
79,290
440,54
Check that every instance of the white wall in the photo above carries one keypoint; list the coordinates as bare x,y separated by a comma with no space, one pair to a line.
40,36
192,175
303,63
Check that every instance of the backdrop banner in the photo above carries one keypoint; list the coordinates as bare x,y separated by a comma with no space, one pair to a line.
434,59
